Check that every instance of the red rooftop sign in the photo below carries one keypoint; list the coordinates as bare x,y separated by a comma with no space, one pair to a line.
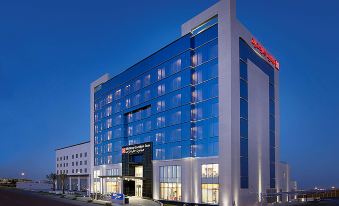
265,53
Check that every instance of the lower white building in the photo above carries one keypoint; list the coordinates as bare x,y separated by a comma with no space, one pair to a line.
74,161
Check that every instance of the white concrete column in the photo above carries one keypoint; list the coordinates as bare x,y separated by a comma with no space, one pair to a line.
70,183
79,183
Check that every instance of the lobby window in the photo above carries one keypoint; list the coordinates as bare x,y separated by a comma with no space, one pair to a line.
170,183
112,185
210,193
210,183
161,73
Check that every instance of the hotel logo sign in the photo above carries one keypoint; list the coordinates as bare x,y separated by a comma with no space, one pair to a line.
136,149
265,53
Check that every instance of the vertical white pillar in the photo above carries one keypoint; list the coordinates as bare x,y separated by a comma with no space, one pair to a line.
78,183
70,183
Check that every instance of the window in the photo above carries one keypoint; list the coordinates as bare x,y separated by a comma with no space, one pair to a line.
161,89
117,94
109,98
85,162
76,156
161,73
109,147
80,155
109,159
210,183
176,84
210,170
160,106
128,103
109,136
147,95
85,170
85,154
80,162
210,193
170,183
147,80
109,123
137,85
76,164
127,89
160,122
109,111
80,170
72,163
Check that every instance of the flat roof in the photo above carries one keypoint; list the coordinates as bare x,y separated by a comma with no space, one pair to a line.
72,145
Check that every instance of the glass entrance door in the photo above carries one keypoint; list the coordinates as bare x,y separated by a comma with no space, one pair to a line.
138,183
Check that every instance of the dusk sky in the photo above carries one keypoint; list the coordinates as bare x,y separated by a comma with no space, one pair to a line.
50,52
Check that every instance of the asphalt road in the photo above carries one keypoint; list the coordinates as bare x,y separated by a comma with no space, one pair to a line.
14,197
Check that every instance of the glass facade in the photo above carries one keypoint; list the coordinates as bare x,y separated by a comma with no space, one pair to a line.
170,183
247,53
169,98
210,183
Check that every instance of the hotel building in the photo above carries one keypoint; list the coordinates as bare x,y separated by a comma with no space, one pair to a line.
74,161
195,122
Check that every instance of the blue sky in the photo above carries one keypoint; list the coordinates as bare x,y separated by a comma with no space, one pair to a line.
50,51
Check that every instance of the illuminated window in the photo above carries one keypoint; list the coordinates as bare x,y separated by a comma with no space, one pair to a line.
109,98
210,183
210,193
161,89
112,185
161,73
160,122
170,183
109,123
160,106
109,159
109,136
127,89
128,103
109,147
117,94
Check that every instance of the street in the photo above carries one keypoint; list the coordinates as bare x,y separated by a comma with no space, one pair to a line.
14,197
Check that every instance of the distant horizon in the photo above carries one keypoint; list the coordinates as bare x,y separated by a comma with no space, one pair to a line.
52,51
